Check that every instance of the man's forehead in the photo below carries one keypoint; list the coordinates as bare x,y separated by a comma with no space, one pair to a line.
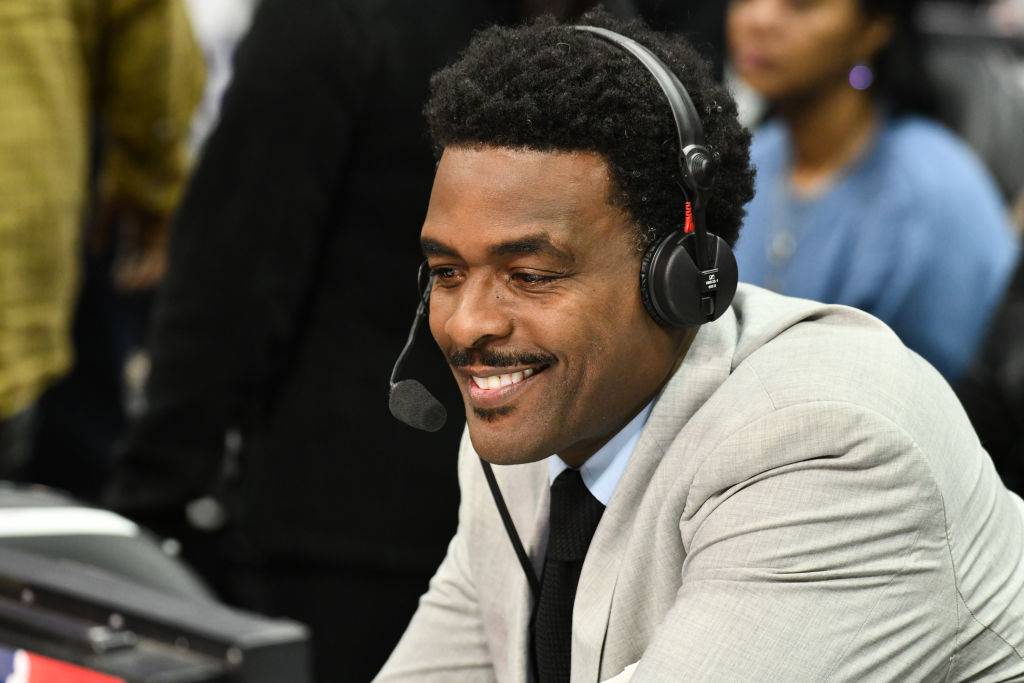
499,194
545,183
544,160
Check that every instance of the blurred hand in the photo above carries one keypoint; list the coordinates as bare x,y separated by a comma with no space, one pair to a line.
140,236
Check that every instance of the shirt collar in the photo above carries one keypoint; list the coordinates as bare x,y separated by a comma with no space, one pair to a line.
603,470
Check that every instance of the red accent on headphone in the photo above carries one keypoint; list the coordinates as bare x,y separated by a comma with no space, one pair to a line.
688,227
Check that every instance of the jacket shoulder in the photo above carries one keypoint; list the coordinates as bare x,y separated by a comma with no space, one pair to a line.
804,351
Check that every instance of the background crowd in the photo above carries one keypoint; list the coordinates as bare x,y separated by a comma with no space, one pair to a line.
202,289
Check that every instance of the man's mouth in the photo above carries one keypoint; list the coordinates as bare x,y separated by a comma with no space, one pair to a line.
494,387
499,381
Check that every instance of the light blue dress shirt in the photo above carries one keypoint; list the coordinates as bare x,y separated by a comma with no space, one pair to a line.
603,470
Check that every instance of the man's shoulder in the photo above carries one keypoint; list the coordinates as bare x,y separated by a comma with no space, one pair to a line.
771,328
799,351
832,389
777,370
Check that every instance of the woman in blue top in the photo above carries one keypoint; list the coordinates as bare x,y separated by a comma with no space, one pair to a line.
860,198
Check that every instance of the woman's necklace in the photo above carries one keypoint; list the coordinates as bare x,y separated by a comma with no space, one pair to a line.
787,225
790,216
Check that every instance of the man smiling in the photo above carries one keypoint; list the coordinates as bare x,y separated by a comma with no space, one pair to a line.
541,320
786,493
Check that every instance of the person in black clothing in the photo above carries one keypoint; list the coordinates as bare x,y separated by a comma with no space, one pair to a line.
290,285
992,392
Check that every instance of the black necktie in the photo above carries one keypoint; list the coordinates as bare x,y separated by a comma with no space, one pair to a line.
574,517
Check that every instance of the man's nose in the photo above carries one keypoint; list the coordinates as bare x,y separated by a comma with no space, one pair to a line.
480,314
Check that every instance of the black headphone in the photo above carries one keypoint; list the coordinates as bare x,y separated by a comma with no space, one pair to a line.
688,277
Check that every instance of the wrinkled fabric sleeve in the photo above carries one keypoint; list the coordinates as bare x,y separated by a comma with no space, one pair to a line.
829,564
151,79
445,640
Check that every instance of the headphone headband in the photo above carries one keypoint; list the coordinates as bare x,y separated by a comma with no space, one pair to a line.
695,162
685,114
685,279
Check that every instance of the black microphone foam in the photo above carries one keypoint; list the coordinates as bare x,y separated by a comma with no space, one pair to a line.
411,403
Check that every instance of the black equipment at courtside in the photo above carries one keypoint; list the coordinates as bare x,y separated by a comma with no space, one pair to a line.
687,278
92,622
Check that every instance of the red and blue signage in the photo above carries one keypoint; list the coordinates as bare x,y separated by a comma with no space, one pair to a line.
22,666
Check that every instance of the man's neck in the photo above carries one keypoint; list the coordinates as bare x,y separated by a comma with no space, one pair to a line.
828,129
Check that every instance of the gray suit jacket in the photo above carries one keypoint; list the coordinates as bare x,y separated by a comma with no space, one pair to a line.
807,502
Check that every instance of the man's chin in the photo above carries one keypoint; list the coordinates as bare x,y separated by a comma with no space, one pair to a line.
500,444
492,415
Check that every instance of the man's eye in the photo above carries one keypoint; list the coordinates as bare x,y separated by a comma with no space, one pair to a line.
445,276
442,273
533,278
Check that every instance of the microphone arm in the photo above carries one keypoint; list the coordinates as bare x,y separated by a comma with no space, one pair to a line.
408,400
421,314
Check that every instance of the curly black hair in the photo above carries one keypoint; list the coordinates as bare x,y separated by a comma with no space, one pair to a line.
547,87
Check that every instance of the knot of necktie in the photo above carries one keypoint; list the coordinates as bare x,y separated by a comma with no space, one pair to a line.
575,513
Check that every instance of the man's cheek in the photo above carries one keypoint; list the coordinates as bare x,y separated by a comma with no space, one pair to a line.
436,324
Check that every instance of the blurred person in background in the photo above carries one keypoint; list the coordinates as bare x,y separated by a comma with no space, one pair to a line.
974,55
992,391
287,299
219,26
93,93
861,198
990,76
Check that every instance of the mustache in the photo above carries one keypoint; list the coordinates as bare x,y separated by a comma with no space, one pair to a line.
498,359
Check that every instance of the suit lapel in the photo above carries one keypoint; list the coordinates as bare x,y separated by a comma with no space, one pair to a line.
707,364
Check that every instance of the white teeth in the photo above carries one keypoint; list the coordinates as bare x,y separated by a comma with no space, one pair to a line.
499,381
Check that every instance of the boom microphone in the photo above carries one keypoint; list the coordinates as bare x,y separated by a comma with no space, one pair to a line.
408,400
411,403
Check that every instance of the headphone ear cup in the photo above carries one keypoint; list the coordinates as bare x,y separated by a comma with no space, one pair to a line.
646,294
673,288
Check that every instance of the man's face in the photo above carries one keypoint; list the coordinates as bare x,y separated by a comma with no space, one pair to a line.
536,302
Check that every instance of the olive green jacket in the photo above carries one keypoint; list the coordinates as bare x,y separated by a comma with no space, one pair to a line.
127,68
